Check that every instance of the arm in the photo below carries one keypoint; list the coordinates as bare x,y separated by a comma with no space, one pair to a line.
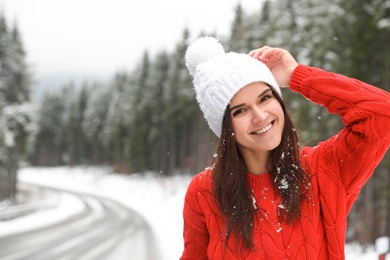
353,154
195,232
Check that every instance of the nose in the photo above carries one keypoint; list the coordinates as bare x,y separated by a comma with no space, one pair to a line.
258,115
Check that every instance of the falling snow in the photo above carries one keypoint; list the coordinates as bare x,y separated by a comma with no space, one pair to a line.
284,184
254,203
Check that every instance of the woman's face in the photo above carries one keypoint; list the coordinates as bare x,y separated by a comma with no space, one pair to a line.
257,119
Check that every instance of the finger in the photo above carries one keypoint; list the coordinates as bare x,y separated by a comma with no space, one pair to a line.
256,53
271,54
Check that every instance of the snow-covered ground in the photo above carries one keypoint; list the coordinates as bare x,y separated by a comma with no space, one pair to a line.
158,199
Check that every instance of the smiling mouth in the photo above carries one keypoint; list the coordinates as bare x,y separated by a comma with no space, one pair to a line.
263,130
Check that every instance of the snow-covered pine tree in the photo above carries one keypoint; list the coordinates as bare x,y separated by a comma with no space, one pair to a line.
15,107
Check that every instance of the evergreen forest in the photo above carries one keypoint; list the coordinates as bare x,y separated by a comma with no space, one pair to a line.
147,118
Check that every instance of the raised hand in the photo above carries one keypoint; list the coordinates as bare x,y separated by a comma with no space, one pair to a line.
279,61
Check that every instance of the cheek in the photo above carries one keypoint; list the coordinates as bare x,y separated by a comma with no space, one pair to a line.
278,110
282,117
239,127
235,125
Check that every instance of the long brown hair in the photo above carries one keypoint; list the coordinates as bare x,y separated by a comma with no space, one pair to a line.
232,192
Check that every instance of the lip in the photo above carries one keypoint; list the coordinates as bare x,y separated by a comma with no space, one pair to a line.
265,129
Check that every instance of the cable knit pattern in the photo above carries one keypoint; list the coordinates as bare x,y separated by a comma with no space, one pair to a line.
339,168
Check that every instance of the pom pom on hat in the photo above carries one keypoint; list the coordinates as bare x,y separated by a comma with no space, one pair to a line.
202,50
217,76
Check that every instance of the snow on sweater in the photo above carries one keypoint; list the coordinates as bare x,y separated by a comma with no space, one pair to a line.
339,167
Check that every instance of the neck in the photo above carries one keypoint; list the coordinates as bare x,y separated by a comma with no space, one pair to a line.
256,163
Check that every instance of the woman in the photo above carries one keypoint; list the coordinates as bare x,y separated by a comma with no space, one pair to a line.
262,198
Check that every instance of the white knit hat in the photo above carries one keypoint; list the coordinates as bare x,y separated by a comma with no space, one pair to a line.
217,76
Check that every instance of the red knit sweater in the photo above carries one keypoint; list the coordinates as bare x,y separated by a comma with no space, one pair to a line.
339,168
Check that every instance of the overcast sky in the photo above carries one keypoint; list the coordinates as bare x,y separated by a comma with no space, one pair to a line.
100,37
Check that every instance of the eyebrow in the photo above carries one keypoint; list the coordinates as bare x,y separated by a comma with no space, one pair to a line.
261,94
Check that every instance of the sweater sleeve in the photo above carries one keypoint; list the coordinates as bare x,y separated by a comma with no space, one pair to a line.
195,233
355,151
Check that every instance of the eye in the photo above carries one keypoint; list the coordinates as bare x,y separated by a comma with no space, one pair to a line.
238,111
265,98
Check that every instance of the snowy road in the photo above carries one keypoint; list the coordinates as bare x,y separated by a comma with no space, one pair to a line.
104,229
158,200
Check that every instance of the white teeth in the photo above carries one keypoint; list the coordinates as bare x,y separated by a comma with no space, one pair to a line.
263,130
